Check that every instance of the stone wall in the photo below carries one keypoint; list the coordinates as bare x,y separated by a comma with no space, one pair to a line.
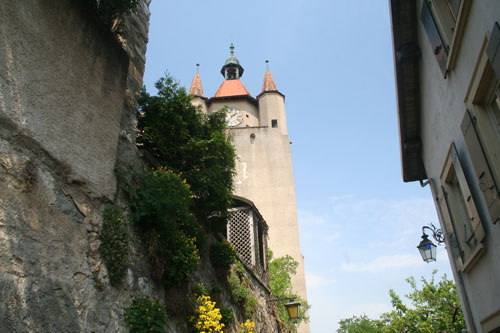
68,90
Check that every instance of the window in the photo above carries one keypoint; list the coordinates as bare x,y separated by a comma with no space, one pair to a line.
247,231
481,130
444,22
463,227
274,123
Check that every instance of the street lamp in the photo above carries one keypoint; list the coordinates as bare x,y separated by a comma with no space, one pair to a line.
293,308
426,247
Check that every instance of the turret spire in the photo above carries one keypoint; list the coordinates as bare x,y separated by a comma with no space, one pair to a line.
196,88
269,84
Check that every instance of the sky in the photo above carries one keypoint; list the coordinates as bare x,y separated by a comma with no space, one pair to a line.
359,222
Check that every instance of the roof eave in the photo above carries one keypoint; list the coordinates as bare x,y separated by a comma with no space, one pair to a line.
406,63
222,98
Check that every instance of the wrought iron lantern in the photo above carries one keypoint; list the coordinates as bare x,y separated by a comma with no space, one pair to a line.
292,307
426,247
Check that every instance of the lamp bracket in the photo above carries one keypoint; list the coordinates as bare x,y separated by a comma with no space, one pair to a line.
437,234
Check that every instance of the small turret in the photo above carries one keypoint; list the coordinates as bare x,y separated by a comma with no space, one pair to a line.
272,104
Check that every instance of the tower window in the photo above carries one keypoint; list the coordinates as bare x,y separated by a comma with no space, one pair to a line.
274,123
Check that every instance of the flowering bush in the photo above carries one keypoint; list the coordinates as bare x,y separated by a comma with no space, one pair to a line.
144,315
207,318
223,254
247,327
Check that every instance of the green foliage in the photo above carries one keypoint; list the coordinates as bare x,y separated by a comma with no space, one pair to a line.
199,290
179,136
114,244
281,271
361,324
223,254
434,308
145,315
227,316
161,209
251,306
239,292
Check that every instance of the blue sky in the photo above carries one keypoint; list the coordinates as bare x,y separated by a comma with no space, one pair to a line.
359,223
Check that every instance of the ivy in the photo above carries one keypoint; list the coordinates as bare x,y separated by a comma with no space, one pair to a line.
281,271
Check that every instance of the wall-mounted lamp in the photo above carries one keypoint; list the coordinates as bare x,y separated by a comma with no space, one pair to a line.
292,307
426,247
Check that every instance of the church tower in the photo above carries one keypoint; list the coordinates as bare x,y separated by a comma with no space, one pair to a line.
263,163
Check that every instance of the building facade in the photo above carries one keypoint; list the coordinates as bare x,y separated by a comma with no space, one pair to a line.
447,61
264,175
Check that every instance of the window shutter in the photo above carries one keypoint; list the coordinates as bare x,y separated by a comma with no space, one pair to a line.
467,195
449,226
437,43
493,49
483,172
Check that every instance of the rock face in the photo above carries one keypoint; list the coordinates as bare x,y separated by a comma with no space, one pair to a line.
68,91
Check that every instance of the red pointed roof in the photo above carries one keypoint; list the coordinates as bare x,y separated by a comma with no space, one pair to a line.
231,88
196,87
269,84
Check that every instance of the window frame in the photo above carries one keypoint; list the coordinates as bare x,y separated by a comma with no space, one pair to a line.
463,252
451,42
483,85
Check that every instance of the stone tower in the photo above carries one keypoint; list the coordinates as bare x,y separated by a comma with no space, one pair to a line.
263,163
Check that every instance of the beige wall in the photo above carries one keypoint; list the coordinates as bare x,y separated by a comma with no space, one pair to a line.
272,106
249,110
443,107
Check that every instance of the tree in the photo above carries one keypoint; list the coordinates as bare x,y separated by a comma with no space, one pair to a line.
182,138
434,308
281,271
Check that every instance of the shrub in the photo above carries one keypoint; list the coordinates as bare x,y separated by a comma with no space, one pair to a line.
161,210
223,254
144,315
247,327
227,315
239,292
250,306
207,318
199,290
114,244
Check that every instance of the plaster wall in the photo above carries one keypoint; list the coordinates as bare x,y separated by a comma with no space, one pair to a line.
249,110
265,176
272,106
442,111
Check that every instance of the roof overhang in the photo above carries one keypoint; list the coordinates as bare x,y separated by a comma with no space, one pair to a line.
225,98
406,62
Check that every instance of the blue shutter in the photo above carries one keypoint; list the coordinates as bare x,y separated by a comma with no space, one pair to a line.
437,43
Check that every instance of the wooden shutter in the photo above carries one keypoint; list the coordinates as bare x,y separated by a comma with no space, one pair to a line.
493,49
467,195
483,172
437,43
450,230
